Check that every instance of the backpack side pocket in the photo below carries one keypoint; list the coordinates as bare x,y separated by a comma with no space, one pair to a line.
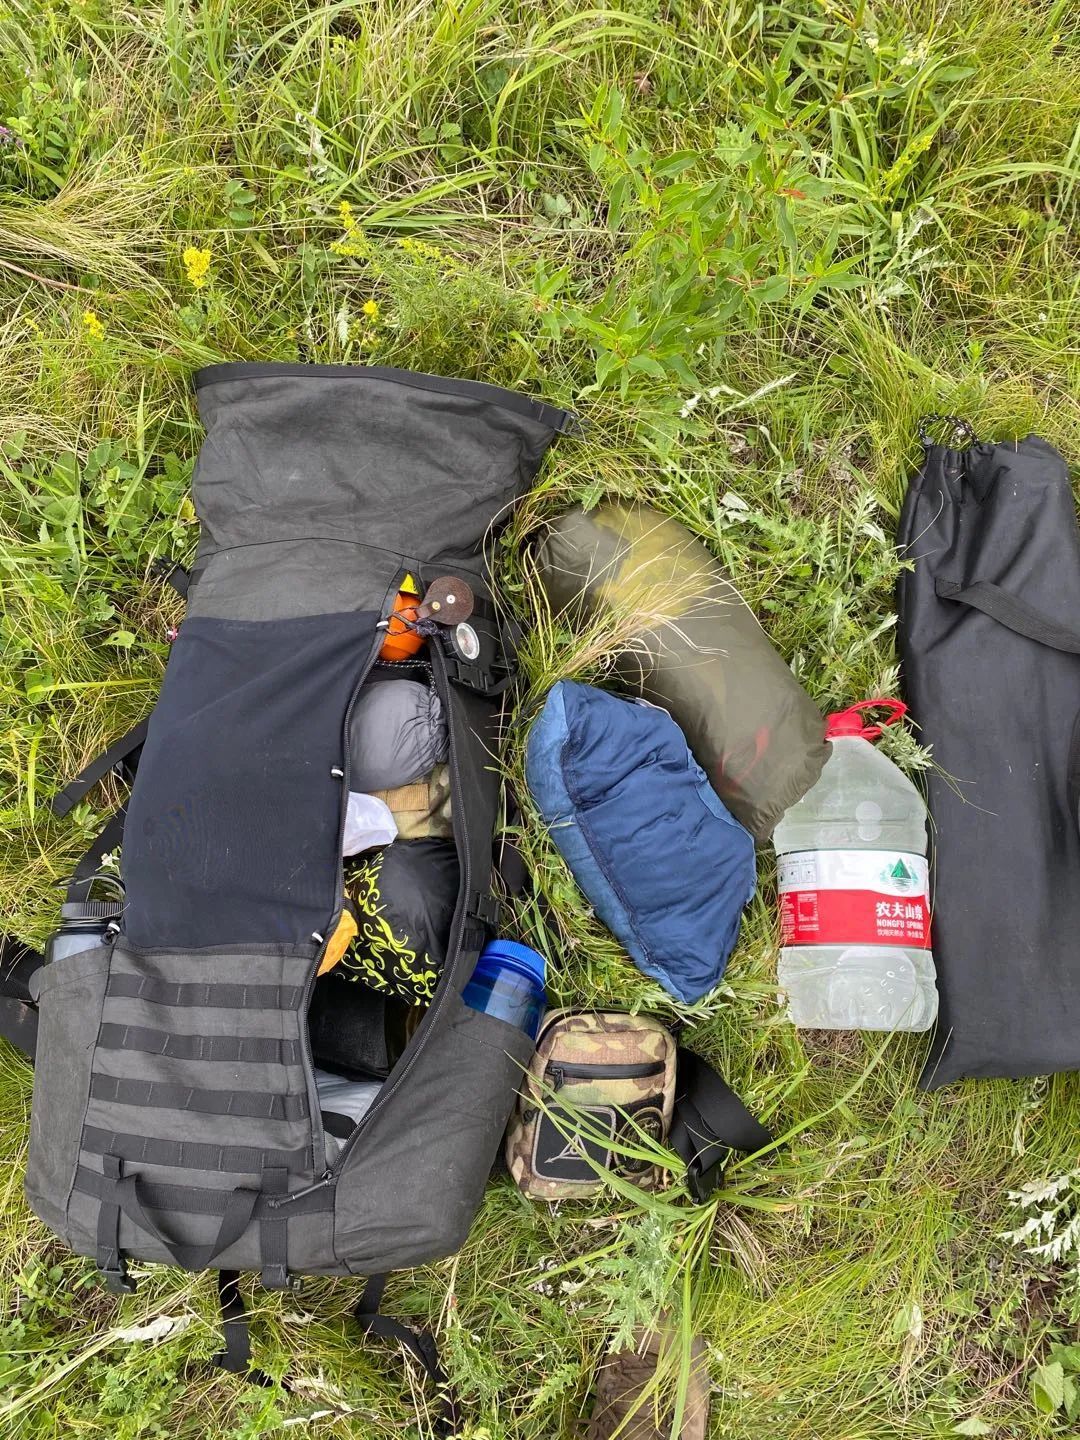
70,995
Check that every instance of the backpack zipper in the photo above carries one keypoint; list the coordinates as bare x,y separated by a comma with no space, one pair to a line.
562,1070
275,1202
318,1134
405,1064
457,811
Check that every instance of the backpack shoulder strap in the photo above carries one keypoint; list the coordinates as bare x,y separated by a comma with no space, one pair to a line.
122,755
420,1344
109,837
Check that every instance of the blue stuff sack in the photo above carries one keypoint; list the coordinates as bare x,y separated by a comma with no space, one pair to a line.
647,839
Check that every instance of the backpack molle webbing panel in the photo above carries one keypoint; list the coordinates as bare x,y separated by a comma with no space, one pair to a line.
175,1114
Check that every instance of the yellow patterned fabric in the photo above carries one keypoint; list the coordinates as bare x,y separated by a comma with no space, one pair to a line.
404,898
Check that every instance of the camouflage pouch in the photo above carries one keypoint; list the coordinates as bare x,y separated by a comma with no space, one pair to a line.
616,1070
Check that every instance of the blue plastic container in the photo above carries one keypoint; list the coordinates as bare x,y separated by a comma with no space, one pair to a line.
509,982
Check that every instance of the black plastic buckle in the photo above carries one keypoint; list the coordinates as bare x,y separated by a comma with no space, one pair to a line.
482,920
474,677
486,910
704,1182
168,571
277,1277
117,1279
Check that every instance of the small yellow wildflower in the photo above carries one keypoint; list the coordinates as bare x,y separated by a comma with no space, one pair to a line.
353,242
197,265
371,309
421,250
94,328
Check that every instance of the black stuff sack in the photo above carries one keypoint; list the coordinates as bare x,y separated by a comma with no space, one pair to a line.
990,638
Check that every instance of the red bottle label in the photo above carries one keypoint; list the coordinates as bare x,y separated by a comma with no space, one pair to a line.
854,897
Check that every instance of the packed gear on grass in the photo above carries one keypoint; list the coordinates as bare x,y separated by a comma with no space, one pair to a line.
202,1097
176,1110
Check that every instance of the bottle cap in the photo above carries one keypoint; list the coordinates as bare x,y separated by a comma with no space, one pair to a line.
522,958
846,723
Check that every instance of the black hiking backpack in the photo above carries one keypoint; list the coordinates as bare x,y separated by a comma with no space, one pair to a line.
175,1116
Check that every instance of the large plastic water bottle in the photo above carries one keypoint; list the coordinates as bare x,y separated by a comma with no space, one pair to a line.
854,890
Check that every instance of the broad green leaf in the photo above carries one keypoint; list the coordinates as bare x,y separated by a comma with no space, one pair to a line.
1048,1388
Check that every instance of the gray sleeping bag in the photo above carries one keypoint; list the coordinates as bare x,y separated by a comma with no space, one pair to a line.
397,734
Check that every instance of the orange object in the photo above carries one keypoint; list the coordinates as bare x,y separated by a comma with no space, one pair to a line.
401,640
343,936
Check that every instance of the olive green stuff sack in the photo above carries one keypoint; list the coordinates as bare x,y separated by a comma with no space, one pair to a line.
685,639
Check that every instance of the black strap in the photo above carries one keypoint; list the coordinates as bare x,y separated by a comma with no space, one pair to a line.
508,863
239,1210
274,1234
709,1121
110,1260
419,1343
18,966
122,755
109,837
19,1025
247,1049
1011,612
120,750
959,432
236,1331
213,995
161,1095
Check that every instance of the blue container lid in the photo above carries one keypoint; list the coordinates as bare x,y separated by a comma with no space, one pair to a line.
515,956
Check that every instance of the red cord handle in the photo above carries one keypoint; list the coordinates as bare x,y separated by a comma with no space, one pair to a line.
849,722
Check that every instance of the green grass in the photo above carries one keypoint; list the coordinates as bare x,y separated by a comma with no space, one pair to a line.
825,222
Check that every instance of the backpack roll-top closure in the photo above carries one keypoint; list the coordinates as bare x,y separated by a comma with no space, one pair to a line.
176,1115
310,475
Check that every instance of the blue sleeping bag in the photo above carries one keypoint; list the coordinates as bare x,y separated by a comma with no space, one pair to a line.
648,840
